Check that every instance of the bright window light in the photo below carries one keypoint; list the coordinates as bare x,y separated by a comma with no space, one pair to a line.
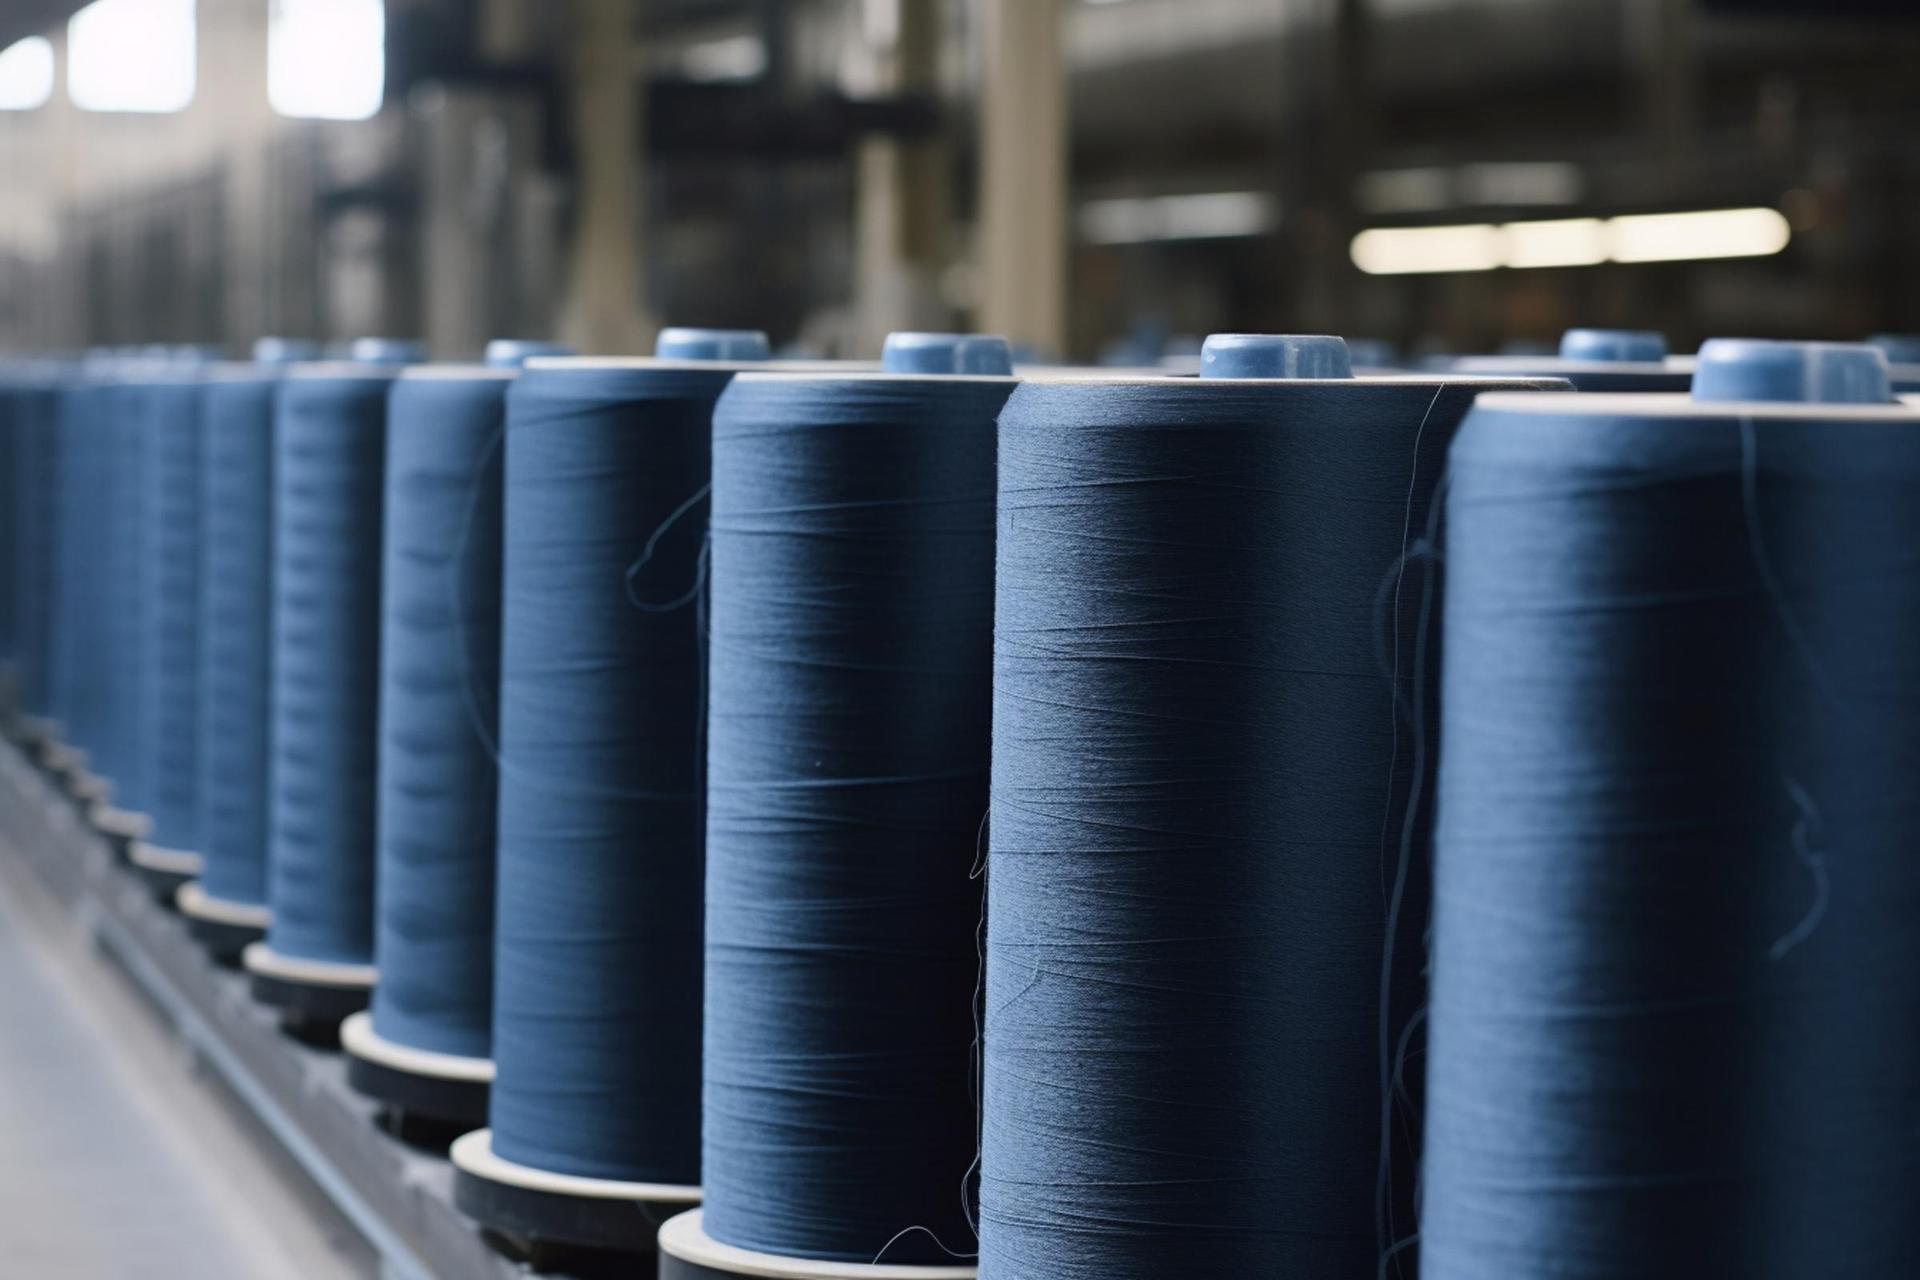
131,55
327,59
26,74
1571,242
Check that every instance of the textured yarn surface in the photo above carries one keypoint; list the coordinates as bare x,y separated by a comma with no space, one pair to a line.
596,1025
851,667
166,426
236,633
1207,890
440,668
330,448
1676,1005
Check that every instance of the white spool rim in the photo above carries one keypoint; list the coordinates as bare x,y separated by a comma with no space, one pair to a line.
580,364
91,787
264,960
358,1038
62,757
1678,404
340,370
814,373
457,373
124,823
173,862
197,902
685,1237
473,1153
1525,384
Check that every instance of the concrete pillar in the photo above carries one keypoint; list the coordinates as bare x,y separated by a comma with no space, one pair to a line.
904,196
1023,174
605,308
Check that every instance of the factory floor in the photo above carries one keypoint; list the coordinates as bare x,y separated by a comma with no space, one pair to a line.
121,1159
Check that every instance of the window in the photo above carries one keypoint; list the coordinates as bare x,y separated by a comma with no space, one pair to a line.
327,59
26,74
131,55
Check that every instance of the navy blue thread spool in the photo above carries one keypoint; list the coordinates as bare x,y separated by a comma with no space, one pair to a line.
163,407
316,962
1675,1009
13,393
78,650
594,1106
95,649
1207,842
425,1047
1902,351
1596,360
852,558
226,908
37,475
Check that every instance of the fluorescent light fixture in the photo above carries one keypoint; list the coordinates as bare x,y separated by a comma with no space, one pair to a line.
1219,215
1393,251
26,74
1714,233
1556,242
742,57
132,55
327,59
1488,184
1520,183
1405,190
1571,242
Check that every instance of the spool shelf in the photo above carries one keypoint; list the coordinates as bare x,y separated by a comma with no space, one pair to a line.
398,1196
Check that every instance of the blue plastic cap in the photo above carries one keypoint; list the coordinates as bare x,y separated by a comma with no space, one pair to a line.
1798,372
284,350
1274,355
511,353
975,353
712,344
1614,346
386,351
1899,348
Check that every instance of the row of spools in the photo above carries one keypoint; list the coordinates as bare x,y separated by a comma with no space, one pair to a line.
1268,823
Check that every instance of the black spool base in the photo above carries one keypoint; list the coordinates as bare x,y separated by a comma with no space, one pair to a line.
313,997
120,828
224,929
164,871
432,1098
541,1214
687,1252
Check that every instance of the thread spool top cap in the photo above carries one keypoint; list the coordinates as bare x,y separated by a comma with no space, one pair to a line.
1794,372
386,351
1274,355
284,350
1899,348
967,353
712,344
511,353
1614,346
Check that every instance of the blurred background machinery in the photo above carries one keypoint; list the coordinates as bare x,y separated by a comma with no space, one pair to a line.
1094,177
